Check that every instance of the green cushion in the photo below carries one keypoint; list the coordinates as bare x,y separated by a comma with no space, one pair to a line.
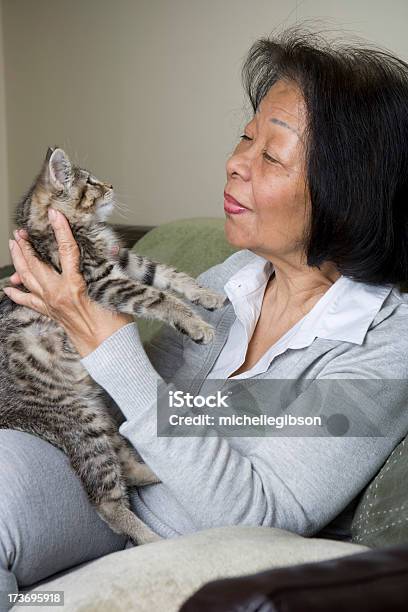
381,517
190,245
5,273
4,281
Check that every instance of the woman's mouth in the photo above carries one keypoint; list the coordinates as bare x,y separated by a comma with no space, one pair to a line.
232,207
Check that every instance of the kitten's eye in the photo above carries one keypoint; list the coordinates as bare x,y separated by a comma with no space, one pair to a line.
245,137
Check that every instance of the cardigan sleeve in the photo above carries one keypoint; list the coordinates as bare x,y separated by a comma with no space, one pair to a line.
295,483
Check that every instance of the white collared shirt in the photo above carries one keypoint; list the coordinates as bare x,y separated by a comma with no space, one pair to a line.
344,312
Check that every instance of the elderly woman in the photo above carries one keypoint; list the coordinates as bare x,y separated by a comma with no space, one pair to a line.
316,199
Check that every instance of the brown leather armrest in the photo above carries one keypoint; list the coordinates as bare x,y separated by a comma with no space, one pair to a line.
373,581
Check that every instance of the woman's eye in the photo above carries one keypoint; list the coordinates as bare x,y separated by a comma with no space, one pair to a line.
268,157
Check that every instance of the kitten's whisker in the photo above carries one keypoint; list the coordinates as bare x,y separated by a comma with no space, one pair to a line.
121,215
122,212
122,207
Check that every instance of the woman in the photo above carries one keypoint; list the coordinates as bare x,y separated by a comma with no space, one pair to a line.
316,200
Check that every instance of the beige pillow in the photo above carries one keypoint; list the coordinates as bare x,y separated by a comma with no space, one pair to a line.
161,576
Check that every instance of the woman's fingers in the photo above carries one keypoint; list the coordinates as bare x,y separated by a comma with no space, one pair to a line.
22,233
32,261
15,279
25,262
26,299
67,246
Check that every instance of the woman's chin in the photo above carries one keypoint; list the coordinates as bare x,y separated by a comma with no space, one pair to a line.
236,236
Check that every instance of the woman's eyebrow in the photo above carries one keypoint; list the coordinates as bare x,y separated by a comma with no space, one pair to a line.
283,124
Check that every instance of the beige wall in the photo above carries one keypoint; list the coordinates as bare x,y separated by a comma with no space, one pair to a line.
4,206
147,93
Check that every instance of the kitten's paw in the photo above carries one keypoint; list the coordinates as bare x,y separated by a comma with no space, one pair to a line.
197,330
148,537
207,298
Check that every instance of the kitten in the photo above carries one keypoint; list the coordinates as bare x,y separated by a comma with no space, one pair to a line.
45,390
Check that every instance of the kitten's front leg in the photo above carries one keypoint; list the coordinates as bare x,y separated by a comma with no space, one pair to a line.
164,277
128,296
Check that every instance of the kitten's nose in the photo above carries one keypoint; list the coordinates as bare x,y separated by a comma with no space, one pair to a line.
108,186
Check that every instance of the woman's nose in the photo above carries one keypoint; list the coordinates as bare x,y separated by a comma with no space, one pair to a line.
238,165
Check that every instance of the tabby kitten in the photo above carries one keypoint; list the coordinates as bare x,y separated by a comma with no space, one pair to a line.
44,388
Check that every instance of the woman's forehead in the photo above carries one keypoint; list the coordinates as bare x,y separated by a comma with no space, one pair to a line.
282,106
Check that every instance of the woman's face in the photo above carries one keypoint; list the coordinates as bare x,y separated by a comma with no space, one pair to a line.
266,175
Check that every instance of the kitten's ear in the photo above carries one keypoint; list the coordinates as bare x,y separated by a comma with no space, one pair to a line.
58,169
49,153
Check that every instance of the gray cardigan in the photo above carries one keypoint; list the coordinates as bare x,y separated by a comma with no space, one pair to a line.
307,484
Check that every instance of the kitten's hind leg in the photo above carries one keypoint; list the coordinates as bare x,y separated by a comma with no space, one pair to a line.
136,473
122,520
93,457
165,277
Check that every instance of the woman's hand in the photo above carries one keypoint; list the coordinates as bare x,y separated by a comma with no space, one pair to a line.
62,297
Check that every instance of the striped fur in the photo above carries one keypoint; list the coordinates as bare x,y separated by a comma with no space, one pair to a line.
44,388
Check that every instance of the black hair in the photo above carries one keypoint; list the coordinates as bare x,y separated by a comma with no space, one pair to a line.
356,100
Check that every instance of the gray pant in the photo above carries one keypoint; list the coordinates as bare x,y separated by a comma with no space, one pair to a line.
47,524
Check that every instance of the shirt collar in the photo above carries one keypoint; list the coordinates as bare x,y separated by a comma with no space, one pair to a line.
248,279
343,313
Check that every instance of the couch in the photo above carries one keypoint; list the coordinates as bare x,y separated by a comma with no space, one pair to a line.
164,575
